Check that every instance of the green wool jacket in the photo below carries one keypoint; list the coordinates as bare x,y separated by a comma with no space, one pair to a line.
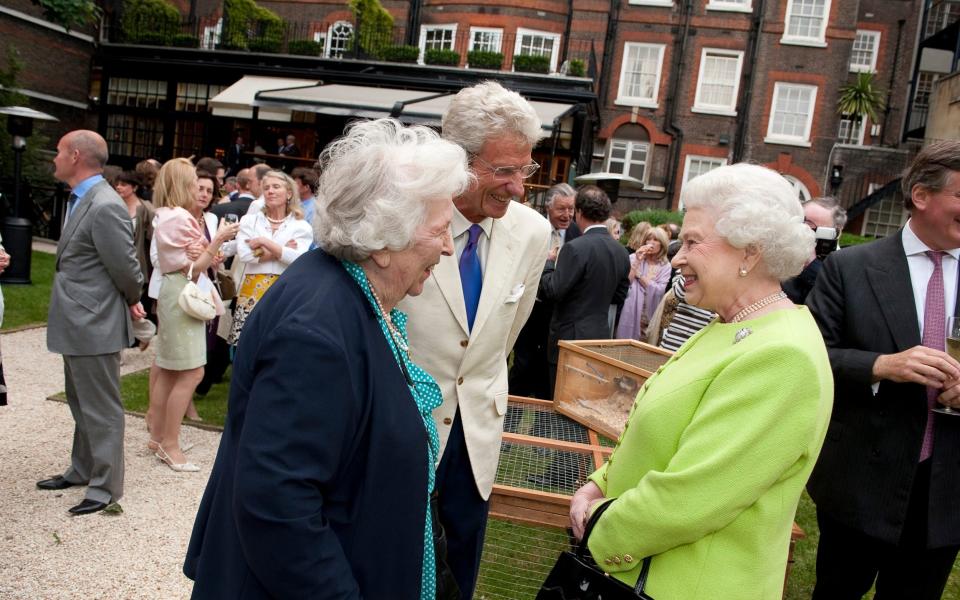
709,469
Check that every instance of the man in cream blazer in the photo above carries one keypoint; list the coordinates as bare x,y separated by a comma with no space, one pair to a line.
462,337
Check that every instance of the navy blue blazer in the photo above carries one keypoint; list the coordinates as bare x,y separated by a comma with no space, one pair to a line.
319,488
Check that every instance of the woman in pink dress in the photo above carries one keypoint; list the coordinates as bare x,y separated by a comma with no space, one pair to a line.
649,274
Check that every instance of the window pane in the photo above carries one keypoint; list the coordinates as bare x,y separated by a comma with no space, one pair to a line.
486,41
700,165
629,158
642,65
340,35
863,51
536,45
719,80
791,111
438,39
806,18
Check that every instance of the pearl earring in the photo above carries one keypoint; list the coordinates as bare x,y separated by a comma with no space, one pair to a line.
743,271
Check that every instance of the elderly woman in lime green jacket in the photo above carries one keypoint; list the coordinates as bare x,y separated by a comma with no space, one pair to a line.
707,474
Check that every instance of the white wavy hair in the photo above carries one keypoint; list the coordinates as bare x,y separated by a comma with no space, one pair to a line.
486,111
755,206
377,182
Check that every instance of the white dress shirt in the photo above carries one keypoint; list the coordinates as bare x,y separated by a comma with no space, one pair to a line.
921,268
256,225
459,229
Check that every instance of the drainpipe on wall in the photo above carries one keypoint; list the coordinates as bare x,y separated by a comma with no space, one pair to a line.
413,22
566,33
746,87
893,71
609,42
672,125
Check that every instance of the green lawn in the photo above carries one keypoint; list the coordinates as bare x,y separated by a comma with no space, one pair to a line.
28,304
212,407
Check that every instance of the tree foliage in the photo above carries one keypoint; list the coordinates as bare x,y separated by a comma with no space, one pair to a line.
860,98
150,21
36,167
69,13
374,25
245,22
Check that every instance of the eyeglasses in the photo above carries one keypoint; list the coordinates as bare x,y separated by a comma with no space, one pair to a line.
525,172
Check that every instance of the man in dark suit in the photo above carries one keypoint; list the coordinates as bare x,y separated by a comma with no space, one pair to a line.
585,278
96,291
530,374
887,483
818,213
247,183
289,149
235,156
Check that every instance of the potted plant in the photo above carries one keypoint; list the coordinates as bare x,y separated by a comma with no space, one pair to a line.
530,63
480,59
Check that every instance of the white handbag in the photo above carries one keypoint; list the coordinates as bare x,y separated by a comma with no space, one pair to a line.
196,302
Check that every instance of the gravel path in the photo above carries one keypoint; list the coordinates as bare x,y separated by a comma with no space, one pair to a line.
44,552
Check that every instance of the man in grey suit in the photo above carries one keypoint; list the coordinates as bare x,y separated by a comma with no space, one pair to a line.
96,291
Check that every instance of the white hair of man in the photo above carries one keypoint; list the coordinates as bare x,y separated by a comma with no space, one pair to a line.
560,190
376,184
755,206
837,213
486,111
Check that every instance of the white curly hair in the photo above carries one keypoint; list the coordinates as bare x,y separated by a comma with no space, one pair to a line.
755,206
377,182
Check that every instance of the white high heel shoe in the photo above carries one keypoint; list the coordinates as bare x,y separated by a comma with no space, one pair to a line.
187,467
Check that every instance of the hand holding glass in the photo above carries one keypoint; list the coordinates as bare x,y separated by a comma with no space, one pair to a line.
953,349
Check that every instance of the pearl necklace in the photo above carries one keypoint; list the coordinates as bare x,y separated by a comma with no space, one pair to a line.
394,334
762,302
276,221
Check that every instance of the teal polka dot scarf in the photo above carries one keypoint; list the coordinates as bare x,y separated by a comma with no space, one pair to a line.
427,396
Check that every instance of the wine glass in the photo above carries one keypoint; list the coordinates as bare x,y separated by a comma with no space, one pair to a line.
953,349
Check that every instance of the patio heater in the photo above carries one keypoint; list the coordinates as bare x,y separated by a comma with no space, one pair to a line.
611,183
18,230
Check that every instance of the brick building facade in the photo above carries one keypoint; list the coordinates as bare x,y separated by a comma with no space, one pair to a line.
681,86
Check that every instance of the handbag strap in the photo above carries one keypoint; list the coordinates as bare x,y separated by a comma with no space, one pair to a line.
190,272
582,547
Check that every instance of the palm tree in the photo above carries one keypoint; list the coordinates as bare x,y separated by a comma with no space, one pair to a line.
860,98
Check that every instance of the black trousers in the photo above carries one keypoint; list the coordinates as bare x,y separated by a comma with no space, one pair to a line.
848,561
463,512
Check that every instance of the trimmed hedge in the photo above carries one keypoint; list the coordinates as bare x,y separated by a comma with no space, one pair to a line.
265,44
654,216
150,22
849,239
401,54
479,59
305,47
576,68
185,40
437,56
525,63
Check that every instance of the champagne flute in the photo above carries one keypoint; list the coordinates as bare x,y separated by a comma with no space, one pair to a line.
953,349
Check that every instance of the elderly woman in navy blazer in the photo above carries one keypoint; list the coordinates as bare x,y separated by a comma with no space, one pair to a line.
322,482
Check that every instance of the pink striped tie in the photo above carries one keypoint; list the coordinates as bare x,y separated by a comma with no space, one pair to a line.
934,336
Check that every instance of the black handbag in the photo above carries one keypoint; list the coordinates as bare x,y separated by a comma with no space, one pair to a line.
577,577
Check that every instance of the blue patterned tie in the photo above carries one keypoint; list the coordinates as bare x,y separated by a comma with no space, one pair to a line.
71,204
471,276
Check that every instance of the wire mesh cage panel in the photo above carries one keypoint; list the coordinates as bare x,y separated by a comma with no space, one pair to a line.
517,558
544,458
598,380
